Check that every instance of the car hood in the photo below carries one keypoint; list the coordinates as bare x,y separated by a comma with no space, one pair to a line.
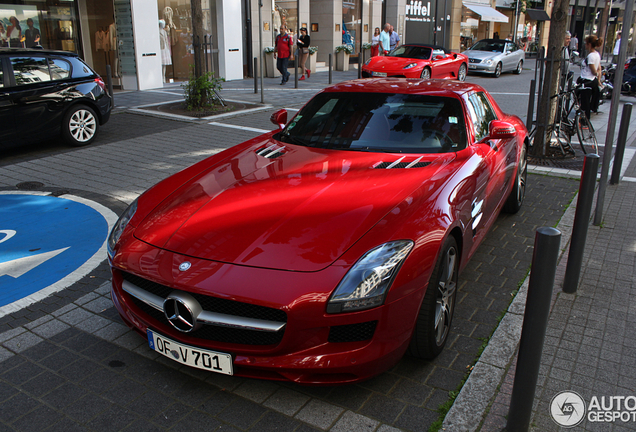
481,54
300,209
379,64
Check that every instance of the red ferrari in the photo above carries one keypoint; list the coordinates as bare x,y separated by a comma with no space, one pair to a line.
321,252
418,61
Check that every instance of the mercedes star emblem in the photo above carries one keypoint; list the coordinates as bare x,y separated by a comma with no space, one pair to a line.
182,310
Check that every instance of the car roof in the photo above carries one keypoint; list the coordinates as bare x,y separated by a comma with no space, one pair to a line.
405,85
35,51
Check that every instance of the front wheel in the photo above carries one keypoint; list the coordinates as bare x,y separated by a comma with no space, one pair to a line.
426,73
497,70
461,74
585,133
436,313
80,125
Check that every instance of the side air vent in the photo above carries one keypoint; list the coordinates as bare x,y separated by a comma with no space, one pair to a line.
271,152
400,164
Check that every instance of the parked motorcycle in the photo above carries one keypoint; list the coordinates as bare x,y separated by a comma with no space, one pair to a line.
629,78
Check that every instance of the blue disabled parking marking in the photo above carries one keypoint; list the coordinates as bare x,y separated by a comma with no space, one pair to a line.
47,243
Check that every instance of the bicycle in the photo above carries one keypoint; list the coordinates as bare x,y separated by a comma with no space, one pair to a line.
570,120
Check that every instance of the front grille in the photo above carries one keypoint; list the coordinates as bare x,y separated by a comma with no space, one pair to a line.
366,74
353,332
385,165
472,60
218,305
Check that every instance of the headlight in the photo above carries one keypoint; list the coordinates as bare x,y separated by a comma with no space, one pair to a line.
366,284
368,61
409,66
488,62
120,226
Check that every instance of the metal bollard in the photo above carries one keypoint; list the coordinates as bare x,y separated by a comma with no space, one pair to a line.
581,223
620,144
330,57
535,321
296,69
530,116
255,75
109,83
359,65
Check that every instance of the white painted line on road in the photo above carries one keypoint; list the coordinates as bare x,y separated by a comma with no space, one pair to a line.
238,127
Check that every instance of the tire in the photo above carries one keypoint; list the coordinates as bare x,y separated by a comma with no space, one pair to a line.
426,73
80,125
430,334
585,133
497,70
461,73
519,68
517,194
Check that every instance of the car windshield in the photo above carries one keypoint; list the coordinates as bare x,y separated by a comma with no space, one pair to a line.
415,52
488,46
379,122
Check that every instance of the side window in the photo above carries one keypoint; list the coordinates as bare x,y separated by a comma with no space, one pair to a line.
481,113
80,70
29,70
60,69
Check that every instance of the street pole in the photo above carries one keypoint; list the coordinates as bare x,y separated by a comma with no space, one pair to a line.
260,47
609,137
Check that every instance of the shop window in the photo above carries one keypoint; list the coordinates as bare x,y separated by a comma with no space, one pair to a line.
29,70
60,69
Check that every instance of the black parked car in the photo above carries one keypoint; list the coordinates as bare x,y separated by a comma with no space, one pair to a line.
45,93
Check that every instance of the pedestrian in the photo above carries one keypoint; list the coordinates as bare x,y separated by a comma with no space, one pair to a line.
375,42
617,48
574,43
590,74
385,39
303,49
282,52
566,45
394,38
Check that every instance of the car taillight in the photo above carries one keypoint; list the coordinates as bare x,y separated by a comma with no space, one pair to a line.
100,82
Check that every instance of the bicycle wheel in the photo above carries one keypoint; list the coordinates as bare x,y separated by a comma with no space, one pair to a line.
585,133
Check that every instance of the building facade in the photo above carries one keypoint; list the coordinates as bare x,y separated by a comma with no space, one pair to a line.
149,42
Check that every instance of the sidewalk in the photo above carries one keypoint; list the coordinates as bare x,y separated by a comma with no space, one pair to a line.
590,346
68,363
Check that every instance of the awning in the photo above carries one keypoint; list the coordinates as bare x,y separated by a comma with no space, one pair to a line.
487,13
537,15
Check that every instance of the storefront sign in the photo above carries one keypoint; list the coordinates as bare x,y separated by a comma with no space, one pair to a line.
418,11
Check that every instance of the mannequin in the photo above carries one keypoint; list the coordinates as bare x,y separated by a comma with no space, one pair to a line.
164,42
167,17
112,42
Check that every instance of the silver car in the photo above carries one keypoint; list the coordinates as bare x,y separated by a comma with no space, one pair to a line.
495,56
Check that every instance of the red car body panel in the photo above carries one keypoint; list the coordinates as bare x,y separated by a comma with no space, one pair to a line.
441,68
282,233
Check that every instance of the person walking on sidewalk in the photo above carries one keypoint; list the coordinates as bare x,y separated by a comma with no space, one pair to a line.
590,74
282,52
303,49
394,38
385,39
375,42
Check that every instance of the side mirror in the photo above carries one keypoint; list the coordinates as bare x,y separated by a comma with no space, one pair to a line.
439,57
279,118
500,129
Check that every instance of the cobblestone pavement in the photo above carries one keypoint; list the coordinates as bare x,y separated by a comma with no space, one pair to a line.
68,362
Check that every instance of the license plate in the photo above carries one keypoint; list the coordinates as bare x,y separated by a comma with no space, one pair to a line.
472,67
379,74
196,357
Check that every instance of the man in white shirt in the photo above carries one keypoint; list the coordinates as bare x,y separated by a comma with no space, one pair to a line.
617,48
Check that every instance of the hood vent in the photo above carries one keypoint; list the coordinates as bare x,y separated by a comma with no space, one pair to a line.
271,152
399,164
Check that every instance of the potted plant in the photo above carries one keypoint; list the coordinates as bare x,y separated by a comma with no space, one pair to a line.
342,57
312,58
270,63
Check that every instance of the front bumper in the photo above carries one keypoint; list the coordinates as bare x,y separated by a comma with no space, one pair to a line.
482,67
313,348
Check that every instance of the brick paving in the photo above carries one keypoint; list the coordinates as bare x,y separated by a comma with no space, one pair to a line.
68,362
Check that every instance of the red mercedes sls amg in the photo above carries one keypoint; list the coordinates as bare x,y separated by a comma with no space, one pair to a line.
418,61
321,252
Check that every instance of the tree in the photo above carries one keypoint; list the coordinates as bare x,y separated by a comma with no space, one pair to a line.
197,37
551,82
